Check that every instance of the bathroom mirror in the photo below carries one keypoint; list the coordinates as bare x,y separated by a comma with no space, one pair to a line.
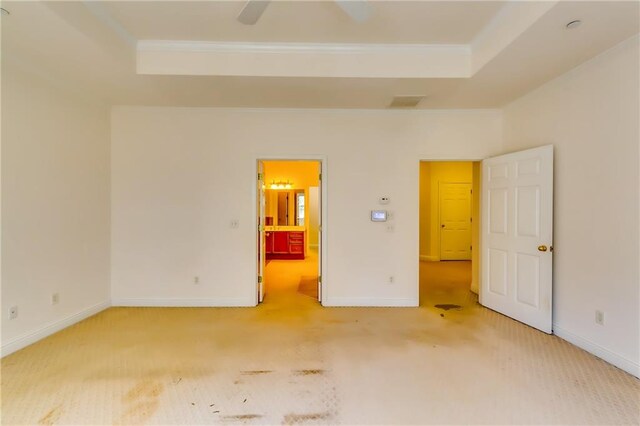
285,207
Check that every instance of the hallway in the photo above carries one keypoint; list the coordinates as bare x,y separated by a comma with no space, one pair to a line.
292,361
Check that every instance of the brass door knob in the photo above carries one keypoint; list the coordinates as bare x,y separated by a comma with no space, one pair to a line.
542,248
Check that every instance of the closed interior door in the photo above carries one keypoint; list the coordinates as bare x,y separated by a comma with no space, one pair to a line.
455,221
517,236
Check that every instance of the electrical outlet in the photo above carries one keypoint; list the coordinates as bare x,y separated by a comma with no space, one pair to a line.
55,298
234,224
390,227
196,280
13,312
391,279
600,317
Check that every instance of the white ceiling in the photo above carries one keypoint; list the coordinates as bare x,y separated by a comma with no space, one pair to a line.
92,50
431,22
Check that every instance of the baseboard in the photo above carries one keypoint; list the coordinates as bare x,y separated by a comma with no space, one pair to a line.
597,350
369,301
425,258
48,329
186,303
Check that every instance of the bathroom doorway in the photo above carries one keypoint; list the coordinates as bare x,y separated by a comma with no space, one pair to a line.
289,231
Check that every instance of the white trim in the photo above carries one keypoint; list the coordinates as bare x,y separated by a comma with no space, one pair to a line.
370,302
302,59
619,361
222,302
340,111
50,328
426,258
252,47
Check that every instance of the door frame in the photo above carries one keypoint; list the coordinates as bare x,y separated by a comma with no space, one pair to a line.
476,250
322,205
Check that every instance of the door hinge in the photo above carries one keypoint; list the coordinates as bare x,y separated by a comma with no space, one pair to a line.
320,279
471,219
260,177
320,176
471,191
259,279
470,247
260,228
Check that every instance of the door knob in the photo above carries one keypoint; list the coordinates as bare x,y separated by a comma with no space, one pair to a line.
442,225
542,248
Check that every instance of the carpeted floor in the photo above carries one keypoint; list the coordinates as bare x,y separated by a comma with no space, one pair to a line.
291,361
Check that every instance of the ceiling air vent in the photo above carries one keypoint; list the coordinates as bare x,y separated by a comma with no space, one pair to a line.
406,101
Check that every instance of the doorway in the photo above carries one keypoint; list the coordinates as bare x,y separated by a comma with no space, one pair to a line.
449,211
516,236
289,231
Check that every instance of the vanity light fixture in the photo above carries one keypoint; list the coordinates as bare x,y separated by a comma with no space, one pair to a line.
281,185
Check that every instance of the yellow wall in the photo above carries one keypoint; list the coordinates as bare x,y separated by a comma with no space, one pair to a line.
475,227
425,202
314,215
302,174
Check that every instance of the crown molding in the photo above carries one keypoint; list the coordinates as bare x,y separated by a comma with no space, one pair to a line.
158,57
254,47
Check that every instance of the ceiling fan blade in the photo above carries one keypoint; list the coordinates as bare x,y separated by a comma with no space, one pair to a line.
358,10
252,11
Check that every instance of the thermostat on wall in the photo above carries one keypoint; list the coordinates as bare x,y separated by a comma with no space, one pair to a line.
378,215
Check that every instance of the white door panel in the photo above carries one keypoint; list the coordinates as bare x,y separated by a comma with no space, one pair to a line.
517,200
455,221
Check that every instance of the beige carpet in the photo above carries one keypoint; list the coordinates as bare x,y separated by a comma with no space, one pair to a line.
290,361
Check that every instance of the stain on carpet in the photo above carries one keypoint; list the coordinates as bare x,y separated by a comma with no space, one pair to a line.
294,419
52,416
240,417
307,372
448,306
141,402
254,372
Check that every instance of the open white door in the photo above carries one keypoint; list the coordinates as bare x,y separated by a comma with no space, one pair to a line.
261,230
517,236
320,202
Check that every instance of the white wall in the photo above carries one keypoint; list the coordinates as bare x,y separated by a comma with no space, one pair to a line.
591,116
55,206
179,175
